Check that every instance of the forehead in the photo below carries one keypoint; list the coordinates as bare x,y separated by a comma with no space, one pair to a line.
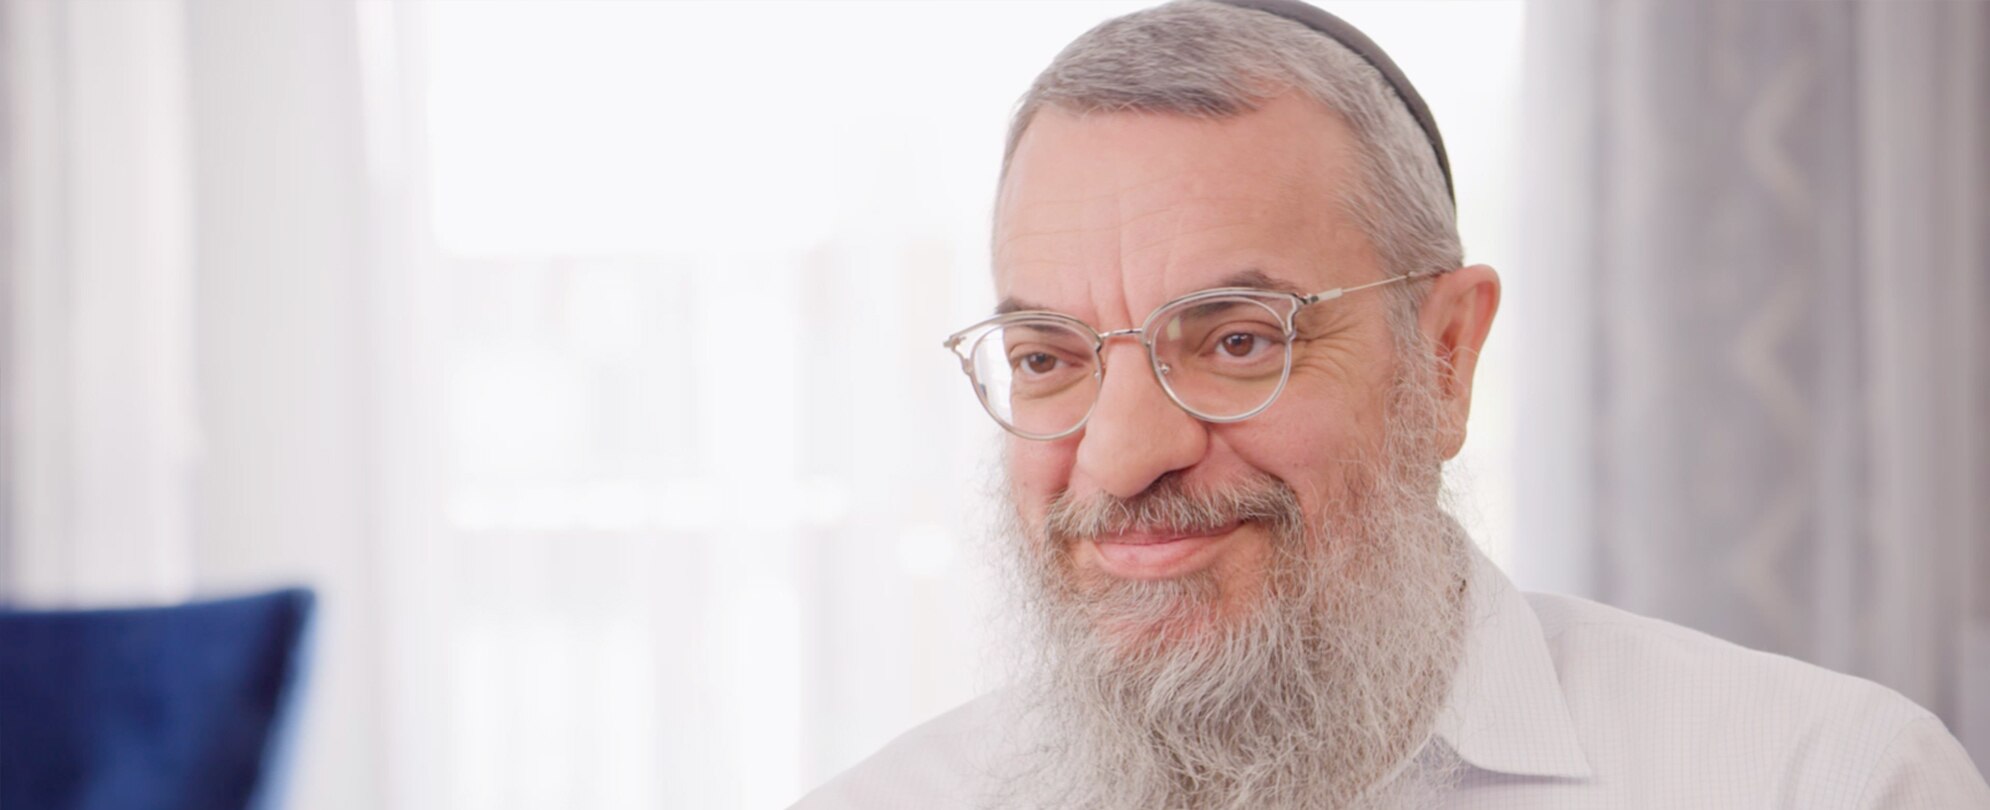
1123,210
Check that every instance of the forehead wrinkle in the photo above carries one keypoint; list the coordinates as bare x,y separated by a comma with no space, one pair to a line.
1012,236
1020,252
1041,219
1015,242
1173,238
1118,191
1263,220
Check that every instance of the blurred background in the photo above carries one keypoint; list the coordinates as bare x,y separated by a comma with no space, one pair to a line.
584,356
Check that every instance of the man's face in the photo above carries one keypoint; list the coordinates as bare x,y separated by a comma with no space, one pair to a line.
1203,594
1106,217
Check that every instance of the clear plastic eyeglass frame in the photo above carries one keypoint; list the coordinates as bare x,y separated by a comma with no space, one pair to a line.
1285,306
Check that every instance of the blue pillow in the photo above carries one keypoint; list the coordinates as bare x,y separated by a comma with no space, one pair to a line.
170,708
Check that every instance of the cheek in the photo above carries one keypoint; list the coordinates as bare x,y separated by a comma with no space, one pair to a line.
1302,456
1309,446
1037,471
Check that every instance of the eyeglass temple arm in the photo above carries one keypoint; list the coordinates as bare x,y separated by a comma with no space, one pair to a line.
1329,295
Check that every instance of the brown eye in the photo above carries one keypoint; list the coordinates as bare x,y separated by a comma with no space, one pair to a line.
1239,344
1040,362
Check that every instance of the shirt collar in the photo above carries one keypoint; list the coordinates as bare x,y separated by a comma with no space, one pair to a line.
1506,712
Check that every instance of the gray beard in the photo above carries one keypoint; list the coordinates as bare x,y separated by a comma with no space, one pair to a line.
1320,692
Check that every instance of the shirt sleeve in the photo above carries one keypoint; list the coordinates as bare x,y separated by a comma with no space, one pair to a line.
1925,767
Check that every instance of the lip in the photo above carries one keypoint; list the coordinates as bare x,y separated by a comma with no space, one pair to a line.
1158,556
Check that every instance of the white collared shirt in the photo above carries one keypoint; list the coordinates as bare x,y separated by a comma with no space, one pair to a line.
1565,703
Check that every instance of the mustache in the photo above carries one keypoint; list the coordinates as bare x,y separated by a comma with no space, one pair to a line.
1172,506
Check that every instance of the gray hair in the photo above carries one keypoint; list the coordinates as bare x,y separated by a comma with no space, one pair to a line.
1210,60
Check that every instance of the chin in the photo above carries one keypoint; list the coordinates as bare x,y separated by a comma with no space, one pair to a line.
1138,618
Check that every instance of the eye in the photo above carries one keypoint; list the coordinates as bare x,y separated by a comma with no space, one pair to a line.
1248,344
1037,362
1240,344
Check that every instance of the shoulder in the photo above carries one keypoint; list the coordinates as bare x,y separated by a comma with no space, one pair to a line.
1646,694
1594,644
942,763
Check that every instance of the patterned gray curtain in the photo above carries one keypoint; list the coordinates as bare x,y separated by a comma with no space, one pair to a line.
1753,317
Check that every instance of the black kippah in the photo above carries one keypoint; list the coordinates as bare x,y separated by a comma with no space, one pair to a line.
1340,31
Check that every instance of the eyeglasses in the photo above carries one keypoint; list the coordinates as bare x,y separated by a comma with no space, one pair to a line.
1222,355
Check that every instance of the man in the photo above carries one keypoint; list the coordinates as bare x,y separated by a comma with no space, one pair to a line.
1235,346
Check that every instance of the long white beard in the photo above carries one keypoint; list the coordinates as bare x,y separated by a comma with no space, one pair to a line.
1320,692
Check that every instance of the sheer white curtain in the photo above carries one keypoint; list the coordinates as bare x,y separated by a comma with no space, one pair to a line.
187,339
100,360
1757,270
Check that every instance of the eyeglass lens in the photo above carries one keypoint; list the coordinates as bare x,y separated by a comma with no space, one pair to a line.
1220,358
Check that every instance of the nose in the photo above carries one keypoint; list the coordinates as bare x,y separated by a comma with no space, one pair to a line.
1135,434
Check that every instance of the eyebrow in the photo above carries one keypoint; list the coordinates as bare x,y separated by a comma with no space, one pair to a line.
1250,278
1014,304
1259,280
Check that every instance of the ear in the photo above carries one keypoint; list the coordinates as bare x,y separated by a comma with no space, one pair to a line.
1454,320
